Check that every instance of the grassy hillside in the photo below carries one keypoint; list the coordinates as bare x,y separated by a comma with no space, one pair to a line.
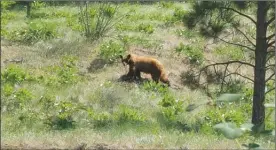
62,88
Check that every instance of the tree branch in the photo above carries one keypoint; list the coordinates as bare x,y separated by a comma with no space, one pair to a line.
245,36
270,21
270,77
270,90
235,73
272,65
271,44
236,44
229,62
242,14
270,37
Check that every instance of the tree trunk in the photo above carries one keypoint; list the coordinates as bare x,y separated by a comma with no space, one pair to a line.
258,111
28,9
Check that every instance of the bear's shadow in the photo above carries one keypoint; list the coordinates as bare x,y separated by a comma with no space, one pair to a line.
125,78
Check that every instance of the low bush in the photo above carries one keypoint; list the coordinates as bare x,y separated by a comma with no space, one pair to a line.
128,114
34,32
170,107
110,50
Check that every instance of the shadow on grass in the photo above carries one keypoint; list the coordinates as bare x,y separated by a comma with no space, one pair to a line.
96,64
125,78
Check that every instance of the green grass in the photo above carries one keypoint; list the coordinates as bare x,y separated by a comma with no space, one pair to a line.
52,100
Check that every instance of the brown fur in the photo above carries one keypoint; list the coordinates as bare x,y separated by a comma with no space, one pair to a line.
138,64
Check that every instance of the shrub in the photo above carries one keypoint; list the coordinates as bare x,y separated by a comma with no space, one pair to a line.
156,87
35,31
63,116
127,114
110,50
97,22
14,74
65,73
170,107
194,54
15,99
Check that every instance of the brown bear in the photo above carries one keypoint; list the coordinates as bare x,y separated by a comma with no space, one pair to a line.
138,64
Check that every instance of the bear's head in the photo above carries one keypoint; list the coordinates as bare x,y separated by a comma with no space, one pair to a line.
128,60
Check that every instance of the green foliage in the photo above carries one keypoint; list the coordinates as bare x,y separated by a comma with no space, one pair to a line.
194,54
96,22
13,74
37,5
110,50
231,131
34,32
186,33
23,95
170,107
6,5
143,27
232,52
147,28
47,102
128,114
65,73
178,14
155,87
165,4
125,27
14,99
73,23
63,116
101,119
7,90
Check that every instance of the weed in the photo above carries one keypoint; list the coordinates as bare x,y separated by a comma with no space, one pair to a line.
35,31
127,114
155,87
65,73
110,50
101,119
15,99
13,74
170,107
63,117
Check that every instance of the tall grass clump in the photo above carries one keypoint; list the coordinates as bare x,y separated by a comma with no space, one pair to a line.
96,22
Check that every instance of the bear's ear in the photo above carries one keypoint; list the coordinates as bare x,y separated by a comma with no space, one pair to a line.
128,56
122,59
128,59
